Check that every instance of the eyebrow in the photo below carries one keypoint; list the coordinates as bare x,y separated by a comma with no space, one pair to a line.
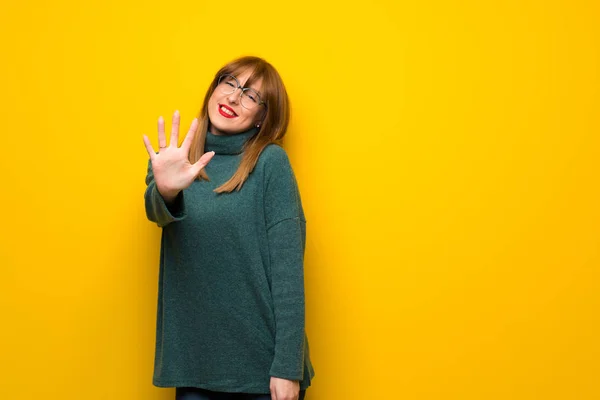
247,87
257,91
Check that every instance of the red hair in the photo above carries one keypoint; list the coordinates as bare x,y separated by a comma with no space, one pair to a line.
272,128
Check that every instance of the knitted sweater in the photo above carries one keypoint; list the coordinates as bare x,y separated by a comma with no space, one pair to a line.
231,309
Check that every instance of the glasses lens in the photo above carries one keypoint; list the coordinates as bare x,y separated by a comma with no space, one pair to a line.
227,84
250,99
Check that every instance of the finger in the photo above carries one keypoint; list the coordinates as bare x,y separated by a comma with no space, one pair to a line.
162,140
201,163
187,142
175,129
149,148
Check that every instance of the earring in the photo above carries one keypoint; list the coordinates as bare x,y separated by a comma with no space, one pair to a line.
258,125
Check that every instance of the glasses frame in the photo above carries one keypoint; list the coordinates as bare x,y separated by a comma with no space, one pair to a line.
261,102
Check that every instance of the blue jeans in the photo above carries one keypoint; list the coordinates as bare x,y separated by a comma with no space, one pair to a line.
191,393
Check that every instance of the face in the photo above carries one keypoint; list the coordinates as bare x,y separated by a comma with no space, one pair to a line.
225,112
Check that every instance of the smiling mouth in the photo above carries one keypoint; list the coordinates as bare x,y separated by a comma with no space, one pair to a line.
226,111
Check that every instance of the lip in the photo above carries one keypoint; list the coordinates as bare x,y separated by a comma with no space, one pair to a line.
225,114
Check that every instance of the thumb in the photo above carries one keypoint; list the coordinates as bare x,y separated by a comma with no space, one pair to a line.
273,388
201,163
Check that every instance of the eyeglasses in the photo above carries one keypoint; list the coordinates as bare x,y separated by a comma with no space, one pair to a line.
250,98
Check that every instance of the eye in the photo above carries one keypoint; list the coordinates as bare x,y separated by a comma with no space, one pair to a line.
229,83
252,95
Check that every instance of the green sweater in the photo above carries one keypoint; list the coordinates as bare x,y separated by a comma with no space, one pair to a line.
231,309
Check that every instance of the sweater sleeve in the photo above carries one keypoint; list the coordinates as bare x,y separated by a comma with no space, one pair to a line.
286,232
156,209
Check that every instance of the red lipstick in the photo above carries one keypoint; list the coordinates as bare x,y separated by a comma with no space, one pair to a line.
223,113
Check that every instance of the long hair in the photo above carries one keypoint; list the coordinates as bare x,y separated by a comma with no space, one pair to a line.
272,129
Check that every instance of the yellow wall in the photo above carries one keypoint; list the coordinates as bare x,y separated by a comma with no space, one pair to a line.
448,158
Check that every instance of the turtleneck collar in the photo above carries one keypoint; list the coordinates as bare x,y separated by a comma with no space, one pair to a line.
228,144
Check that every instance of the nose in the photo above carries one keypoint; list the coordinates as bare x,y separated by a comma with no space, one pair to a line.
235,96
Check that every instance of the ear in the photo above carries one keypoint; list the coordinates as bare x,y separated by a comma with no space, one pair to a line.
260,117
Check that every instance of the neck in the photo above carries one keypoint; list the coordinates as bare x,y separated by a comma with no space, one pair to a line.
222,143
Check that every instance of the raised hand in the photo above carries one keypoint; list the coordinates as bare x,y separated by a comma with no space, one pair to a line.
172,169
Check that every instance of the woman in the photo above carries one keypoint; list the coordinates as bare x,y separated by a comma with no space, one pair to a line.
231,309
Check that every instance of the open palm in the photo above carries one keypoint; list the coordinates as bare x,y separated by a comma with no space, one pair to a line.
172,169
